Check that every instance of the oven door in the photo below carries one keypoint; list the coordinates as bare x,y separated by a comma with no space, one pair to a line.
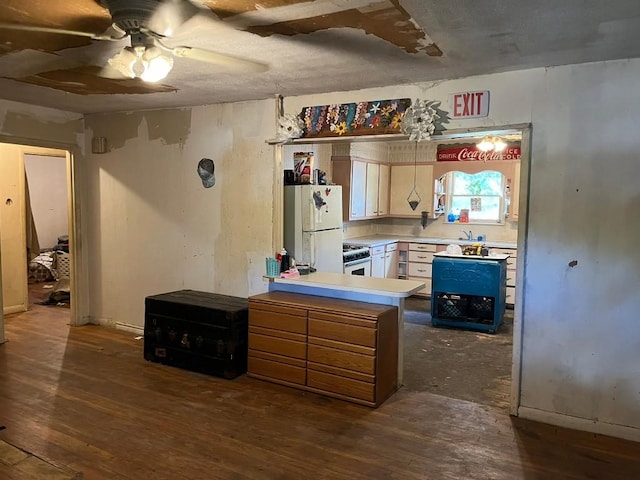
360,267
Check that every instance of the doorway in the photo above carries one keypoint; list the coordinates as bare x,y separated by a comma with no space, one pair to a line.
508,350
36,220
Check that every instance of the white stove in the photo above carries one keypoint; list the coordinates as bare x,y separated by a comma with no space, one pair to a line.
356,260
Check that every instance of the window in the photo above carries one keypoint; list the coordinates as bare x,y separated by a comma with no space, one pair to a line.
480,196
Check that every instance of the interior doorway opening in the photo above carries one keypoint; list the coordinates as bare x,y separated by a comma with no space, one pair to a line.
36,232
504,388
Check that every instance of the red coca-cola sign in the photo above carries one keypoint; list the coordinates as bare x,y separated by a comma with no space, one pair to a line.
471,153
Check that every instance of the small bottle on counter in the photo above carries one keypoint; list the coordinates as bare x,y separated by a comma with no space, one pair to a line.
284,261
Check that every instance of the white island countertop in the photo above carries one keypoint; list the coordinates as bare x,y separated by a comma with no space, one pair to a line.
389,287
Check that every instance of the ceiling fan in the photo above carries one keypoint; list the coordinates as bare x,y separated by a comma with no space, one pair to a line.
147,23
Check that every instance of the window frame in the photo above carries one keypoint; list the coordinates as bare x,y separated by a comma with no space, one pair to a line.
450,181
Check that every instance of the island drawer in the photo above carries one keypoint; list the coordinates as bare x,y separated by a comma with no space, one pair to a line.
341,385
277,370
283,321
341,372
342,333
279,346
342,359
344,318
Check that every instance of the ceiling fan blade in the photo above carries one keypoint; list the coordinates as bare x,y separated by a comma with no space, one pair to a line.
235,63
110,34
170,15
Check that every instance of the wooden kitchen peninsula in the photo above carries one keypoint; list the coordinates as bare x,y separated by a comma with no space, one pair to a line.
384,291
338,348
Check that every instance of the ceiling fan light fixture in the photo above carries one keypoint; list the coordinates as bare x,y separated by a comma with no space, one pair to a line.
157,65
124,61
149,64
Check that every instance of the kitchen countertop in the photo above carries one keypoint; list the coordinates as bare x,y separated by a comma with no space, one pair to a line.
378,240
389,287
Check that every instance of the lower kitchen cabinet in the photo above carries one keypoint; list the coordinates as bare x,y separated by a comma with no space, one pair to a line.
377,261
391,260
339,348
384,261
420,258
511,272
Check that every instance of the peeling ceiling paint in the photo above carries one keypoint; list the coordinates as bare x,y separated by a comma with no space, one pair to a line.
391,23
86,81
386,20
313,46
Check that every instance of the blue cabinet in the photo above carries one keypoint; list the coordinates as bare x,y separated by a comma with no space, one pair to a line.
468,292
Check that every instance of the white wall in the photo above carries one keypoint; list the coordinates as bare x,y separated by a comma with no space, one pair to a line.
581,335
47,179
580,332
154,228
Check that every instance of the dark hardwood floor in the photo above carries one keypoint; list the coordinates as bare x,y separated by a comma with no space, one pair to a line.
84,399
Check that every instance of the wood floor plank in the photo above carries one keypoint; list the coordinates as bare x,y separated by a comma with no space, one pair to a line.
85,398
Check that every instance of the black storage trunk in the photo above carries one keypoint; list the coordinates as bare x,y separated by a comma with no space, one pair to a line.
198,331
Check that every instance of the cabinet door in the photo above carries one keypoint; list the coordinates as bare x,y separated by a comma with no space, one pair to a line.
383,190
358,189
391,264
377,265
371,202
401,186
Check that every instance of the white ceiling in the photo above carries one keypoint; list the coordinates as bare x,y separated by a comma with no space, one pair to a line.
475,37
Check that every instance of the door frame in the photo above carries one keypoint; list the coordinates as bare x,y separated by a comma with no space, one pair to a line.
77,264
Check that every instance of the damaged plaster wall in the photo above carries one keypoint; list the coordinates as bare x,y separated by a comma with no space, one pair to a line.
582,268
155,228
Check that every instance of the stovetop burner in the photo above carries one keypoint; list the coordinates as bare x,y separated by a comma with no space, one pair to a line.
354,252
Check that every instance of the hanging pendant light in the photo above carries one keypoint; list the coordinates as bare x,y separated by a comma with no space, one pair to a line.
414,198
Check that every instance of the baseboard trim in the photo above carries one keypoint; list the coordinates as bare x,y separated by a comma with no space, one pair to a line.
110,323
576,423
127,327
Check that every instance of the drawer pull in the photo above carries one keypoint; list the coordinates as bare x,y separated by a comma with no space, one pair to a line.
421,270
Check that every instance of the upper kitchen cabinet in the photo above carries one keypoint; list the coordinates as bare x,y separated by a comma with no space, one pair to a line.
377,197
365,187
402,181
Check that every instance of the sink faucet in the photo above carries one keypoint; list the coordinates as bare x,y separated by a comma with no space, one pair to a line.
468,234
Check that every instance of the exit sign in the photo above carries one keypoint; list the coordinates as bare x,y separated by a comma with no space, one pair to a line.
469,104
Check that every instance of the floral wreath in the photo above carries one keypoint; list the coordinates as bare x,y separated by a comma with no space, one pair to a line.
422,119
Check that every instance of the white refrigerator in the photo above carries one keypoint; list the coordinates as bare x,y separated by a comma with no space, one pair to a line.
313,225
